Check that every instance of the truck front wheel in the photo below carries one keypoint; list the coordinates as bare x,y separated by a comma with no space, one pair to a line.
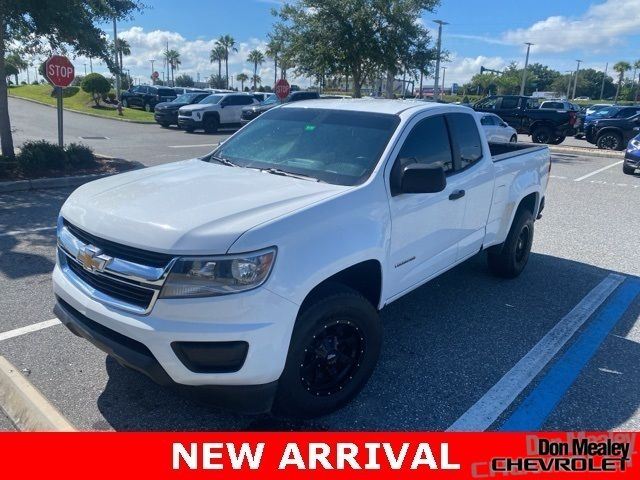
542,134
509,259
334,349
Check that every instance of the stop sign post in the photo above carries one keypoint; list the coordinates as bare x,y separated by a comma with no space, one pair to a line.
282,89
60,72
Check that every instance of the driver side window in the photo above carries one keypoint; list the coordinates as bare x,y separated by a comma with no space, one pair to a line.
428,143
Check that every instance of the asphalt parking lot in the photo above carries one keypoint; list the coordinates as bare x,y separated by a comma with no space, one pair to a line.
448,346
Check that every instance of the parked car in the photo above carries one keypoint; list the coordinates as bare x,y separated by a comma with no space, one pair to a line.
146,97
497,130
632,156
613,133
214,111
181,90
582,99
591,109
523,114
614,111
560,105
249,113
257,272
166,113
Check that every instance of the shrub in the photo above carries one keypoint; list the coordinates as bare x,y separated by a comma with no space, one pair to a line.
79,156
40,157
96,85
112,97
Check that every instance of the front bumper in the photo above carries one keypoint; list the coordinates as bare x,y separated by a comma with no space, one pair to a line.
258,317
189,122
166,117
632,158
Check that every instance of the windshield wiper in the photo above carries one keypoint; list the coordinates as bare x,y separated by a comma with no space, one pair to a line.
283,173
223,161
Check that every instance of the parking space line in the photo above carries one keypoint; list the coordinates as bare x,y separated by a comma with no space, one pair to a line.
498,398
579,179
537,406
193,146
16,332
13,233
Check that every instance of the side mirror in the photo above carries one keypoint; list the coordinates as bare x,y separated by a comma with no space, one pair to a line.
421,178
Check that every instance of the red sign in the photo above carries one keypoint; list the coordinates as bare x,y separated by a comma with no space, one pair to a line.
59,71
282,89
155,75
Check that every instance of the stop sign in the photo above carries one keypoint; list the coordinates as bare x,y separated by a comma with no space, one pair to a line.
282,89
59,71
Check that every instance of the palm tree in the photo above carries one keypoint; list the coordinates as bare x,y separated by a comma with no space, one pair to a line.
257,58
274,47
621,68
172,57
217,55
636,67
242,77
123,49
256,79
227,43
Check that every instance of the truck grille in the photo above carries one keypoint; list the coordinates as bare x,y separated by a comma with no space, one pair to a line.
131,254
124,291
128,278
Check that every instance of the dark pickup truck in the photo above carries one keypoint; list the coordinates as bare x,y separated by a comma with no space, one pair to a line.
522,113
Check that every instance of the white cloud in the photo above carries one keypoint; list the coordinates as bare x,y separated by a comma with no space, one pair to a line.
460,70
601,27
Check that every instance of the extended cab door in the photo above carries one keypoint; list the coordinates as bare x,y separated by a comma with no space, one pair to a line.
427,227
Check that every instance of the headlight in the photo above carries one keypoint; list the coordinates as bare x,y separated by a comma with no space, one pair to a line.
184,113
635,143
211,276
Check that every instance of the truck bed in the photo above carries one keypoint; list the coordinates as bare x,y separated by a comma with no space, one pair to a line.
504,151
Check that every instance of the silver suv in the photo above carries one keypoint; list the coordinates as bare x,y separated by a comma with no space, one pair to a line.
215,111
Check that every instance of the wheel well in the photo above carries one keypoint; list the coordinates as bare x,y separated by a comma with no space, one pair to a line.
609,130
528,203
540,124
210,114
364,277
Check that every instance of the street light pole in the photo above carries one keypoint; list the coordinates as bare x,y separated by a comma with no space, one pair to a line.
524,72
575,80
444,71
570,72
604,77
152,60
436,93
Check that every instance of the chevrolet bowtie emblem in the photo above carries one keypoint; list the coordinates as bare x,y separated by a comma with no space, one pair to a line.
92,259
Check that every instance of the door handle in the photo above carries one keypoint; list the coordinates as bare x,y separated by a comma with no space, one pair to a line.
457,194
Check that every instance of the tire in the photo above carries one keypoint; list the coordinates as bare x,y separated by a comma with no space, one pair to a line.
189,129
609,141
339,323
165,125
148,107
558,140
211,124
125,103
513,139
509,259
627,170
542,134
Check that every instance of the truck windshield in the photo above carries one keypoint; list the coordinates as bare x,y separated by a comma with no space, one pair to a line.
333,146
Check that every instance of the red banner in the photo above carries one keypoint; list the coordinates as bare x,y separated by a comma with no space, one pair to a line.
160,456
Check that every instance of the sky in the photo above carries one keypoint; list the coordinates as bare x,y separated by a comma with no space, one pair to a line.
488,33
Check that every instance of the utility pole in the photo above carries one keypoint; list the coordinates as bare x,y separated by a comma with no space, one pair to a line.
436,93
444,71
85,69
604,77
152,61
570,72
575,80
115,55
524,72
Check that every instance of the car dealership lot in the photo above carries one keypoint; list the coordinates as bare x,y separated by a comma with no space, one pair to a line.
445,345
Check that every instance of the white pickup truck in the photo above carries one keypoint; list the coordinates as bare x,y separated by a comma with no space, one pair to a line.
256,273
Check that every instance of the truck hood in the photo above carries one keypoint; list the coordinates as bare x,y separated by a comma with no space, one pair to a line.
196,106
190,207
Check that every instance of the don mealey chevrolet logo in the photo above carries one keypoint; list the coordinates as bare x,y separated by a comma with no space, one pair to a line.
92,259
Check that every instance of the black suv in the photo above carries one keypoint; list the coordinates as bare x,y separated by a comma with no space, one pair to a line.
166,113
524,114
249,113
146,97
613,133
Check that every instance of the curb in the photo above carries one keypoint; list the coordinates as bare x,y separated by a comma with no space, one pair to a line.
84,113
59,182
25,406
588,152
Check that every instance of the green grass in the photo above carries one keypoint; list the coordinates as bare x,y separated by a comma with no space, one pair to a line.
76,99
